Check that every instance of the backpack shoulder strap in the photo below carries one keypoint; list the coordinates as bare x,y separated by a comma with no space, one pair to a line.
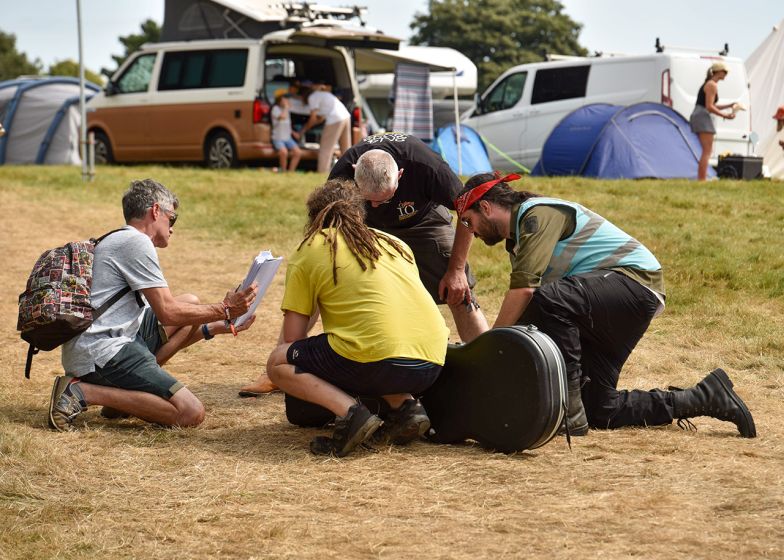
32,351
111,301
105,235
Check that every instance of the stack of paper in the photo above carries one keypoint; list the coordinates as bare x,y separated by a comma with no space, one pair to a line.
262,270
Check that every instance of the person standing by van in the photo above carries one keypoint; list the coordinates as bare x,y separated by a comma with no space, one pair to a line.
282,134
326,108
701,121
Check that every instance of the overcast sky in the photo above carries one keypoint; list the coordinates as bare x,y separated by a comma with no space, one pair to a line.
46,29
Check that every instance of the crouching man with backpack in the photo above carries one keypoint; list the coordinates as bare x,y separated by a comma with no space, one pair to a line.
117,361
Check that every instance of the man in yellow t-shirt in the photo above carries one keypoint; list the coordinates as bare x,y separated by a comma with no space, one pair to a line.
383,333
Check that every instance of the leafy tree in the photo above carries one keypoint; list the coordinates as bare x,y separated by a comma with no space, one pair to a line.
70,67
151,33
498,34
12,62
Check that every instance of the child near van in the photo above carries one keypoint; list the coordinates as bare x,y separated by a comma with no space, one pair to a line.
282,134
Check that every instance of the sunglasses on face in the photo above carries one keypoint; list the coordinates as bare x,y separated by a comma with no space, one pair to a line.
171,214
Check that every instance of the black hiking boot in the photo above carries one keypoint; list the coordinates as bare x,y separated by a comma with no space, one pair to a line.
576,420
403,425
356,427
714,397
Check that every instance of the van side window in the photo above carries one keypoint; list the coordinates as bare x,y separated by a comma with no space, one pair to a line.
136,78
203,69
506,94
554,84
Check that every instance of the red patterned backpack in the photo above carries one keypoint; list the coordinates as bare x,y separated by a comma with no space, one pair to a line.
55,306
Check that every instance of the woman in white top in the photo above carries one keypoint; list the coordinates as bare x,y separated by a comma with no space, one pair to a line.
326,108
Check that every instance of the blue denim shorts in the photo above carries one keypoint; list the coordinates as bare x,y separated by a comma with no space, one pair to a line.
278,144
392,376
134,367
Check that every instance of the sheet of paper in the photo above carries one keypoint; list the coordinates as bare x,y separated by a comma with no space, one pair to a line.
262,271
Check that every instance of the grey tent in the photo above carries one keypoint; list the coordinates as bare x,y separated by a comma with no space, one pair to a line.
41,119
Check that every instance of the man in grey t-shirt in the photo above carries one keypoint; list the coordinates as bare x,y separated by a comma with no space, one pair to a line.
117,361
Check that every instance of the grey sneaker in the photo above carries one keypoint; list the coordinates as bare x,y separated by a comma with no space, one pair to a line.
356,427
66,403
403,425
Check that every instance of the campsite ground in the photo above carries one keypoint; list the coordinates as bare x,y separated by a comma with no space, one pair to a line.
243,485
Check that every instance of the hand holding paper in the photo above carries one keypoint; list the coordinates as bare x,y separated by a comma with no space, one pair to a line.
239,301
262,271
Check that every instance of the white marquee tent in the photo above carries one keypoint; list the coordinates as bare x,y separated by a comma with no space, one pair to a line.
766,78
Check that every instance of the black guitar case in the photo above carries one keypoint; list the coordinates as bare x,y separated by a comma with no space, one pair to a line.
506,389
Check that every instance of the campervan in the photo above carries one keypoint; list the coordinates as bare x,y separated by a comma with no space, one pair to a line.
518,111
209,100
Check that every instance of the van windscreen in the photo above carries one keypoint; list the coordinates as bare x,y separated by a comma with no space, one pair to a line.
555,84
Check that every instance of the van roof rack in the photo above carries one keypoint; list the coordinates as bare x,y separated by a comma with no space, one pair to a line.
661,48
310,12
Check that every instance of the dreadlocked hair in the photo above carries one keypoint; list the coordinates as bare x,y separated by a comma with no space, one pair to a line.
501,194
338,209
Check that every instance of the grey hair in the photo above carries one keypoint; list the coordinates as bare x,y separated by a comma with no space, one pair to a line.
142,194
376,170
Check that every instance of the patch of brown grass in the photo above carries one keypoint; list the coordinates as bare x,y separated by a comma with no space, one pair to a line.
243,485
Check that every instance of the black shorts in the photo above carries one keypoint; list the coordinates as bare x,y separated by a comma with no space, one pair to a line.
431,242
373,379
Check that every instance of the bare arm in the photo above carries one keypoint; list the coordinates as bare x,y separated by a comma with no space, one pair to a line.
176,313
515,302
295,326
454,282
313,120
711,89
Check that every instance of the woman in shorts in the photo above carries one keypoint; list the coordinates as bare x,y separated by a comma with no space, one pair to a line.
701,120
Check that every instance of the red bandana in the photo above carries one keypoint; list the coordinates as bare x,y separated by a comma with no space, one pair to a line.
466,200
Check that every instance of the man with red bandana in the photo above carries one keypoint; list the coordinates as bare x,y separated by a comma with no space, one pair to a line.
594,290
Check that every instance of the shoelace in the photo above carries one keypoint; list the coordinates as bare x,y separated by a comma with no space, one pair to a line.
686,425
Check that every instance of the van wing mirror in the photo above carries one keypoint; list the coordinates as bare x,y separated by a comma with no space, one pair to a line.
110,88
477,104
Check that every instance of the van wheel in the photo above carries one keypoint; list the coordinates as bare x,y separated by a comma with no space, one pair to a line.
103,149
220,152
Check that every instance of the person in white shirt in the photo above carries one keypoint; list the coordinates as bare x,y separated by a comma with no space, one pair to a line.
328,109
117,362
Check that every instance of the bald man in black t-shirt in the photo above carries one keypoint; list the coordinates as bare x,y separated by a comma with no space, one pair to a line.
409,191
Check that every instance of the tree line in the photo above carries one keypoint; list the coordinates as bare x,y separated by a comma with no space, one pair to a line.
14,63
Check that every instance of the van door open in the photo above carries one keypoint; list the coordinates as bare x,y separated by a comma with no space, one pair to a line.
499,118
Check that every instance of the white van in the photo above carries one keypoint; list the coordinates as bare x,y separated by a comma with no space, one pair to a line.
209,100
519,110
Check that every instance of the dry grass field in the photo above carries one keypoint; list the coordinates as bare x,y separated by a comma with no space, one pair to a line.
243,485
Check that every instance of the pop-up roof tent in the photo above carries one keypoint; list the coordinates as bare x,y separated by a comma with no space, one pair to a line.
640,141
472,155
41,118
188,20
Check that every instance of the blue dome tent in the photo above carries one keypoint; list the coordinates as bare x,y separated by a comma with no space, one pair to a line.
472,150
611,142
41,118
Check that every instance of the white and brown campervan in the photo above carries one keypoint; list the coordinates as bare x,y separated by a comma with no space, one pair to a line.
209,100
